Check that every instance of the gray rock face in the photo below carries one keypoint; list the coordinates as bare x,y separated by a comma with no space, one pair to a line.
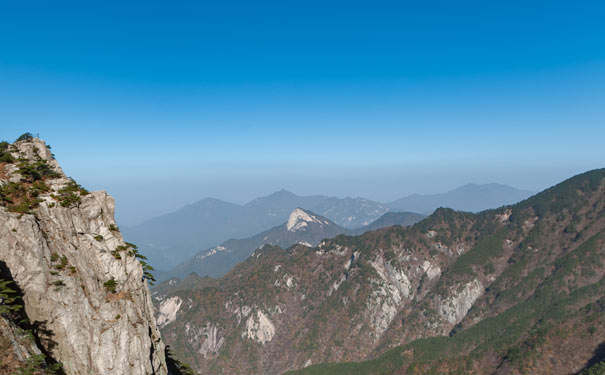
60,258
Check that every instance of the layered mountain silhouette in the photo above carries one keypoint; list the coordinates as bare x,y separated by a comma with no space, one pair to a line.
170,239
303,227
469,198
515,290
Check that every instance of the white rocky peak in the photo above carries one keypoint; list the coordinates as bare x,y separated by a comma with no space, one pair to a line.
299,219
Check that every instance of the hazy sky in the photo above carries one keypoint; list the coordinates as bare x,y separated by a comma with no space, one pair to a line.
164,103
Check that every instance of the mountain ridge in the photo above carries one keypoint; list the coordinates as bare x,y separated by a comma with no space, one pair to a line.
470,197
302,227
397,294
171,238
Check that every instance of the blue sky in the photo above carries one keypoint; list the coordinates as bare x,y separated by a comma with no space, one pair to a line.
164,103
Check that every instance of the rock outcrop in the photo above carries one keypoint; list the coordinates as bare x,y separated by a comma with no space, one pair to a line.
80,281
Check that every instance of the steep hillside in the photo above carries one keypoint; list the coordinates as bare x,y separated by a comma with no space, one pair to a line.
172,238
303,227
511,290
470,198
73,292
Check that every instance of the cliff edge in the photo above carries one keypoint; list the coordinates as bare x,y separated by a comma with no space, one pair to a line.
82,286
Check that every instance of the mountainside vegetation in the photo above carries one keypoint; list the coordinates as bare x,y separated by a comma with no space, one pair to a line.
514,290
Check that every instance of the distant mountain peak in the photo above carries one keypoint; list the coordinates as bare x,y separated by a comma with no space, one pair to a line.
300,219
283,192
277,196
492,185
471,197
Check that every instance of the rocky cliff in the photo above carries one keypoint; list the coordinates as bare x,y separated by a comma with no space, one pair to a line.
83,289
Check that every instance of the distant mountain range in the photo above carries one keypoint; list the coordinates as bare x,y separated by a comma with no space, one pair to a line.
303,227
515,290
170,239
470,198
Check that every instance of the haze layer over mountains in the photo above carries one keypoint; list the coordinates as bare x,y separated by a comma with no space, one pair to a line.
175,237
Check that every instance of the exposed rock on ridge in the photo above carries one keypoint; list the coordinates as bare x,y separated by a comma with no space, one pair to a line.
64,257
299,220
